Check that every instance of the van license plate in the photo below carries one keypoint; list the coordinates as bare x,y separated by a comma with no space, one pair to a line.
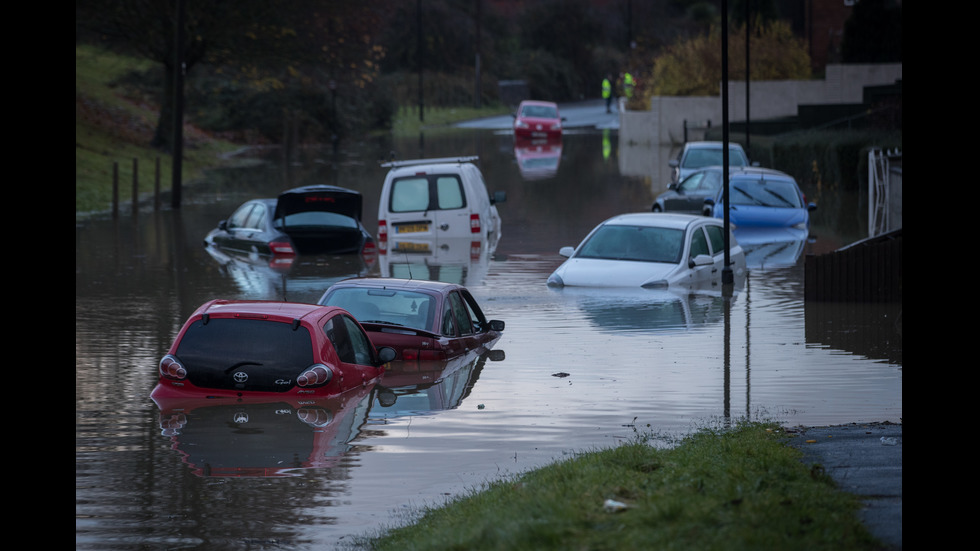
412,228
408,247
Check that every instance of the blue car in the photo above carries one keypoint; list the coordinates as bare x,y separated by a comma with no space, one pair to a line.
761,197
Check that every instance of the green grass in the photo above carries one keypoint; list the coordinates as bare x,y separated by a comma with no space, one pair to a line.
113,128
734,489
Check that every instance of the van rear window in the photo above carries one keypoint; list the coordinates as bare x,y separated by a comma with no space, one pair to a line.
427,192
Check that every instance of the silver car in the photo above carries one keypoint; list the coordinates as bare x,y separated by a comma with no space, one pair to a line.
697,155
652,251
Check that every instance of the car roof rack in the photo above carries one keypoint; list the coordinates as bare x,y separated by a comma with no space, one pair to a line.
438,161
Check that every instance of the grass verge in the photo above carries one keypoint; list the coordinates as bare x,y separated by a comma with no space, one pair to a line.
407,123
734,489
114,128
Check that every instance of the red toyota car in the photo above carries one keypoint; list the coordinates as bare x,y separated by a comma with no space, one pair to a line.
257,350
421,320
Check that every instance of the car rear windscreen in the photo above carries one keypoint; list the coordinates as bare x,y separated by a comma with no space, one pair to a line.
245,354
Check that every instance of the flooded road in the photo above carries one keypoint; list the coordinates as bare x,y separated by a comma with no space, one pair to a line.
578,370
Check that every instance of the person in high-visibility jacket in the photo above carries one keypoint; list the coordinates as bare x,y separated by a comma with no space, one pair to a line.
607,92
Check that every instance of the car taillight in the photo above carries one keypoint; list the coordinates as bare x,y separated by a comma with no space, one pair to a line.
316,375
282,247
315,416
171,368
475,223
475,248
369,253
382,237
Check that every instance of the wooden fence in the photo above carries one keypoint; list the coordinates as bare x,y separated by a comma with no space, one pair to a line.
866,271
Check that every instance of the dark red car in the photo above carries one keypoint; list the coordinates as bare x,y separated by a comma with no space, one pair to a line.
257,350
421,320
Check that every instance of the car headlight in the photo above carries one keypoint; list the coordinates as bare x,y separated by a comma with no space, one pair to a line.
658,284
554,280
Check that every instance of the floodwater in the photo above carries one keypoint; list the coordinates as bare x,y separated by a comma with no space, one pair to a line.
572,371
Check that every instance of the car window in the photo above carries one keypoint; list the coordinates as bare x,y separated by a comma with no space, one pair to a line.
256,218
224,342
316,219
449,190
423,193
448,325
716,236
700,158
409,194
711,183
460,314
238,218
392,306
691,183
540,111
637,243
477,319
351,344
360,343
699,243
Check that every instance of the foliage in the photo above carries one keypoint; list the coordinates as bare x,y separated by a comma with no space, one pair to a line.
693,67
873,33
731,489
113,130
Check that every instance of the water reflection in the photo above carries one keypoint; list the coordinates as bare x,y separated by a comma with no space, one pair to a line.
648,311
464,261
771,247
228,438
410,388
291,278
538,159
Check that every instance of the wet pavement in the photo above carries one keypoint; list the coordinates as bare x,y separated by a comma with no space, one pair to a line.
866,460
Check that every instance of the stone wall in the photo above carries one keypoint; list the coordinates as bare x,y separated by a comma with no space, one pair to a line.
664,122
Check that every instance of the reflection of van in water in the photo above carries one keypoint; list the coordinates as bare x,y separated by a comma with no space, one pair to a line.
436,198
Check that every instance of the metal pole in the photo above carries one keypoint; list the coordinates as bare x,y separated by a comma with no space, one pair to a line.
419,53
727,277
178,151
748,145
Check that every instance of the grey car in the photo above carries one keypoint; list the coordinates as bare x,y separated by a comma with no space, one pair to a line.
697,155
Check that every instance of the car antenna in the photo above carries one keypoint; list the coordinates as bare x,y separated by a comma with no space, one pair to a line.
409,263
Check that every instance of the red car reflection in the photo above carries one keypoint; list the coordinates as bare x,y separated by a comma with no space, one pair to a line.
265,349
249,438
421,320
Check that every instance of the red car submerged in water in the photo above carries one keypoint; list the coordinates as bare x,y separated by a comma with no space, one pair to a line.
537,119
421,320
259,350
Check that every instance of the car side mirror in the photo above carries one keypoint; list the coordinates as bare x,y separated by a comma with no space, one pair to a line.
498,197
496,355
386,354
673,163
701,260
567,252
709,202
496,325
223,225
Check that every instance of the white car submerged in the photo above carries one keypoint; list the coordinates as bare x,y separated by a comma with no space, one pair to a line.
653,251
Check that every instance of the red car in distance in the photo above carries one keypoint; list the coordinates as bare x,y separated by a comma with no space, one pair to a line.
537,120
422,320
261,350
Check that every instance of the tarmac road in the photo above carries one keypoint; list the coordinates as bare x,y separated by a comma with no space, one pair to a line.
865,460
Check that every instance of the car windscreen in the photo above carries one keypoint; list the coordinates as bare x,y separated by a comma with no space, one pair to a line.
539,112
427,192
265,352
391,306
765,193
700,158
637,243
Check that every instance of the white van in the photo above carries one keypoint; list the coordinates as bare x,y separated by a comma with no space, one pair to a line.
426,200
